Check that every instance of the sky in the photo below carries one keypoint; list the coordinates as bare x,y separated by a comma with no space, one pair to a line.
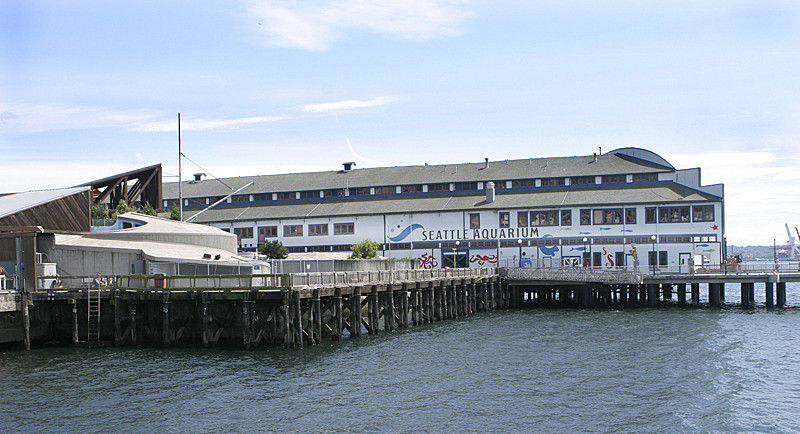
89,89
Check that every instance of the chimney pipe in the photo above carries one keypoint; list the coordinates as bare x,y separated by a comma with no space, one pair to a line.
490,192
487,163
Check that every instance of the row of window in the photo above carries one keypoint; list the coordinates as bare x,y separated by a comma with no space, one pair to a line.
607,216
644,243
295,230
420,188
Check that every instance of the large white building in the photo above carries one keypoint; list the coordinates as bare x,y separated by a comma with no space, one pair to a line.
626,208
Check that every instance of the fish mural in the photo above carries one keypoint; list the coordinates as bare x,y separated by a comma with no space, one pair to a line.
406,232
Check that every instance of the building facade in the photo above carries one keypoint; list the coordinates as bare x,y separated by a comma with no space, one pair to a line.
628,208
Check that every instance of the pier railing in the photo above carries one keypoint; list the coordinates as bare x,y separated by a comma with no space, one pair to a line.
383,276
573,274
258,281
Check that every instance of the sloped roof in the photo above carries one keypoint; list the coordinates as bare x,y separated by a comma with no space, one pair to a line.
17,202
607,164
548,199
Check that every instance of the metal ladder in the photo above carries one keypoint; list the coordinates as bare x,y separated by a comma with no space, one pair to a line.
93,315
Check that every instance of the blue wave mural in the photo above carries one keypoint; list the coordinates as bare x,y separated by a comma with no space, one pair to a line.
548,250
406,232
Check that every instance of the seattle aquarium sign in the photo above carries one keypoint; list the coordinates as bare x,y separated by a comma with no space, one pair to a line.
466,234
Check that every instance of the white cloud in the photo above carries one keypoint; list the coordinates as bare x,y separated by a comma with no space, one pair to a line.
194,124
315,25
37,118
347,105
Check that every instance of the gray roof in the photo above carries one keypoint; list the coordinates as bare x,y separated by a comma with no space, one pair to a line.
549,199
607,164
17,202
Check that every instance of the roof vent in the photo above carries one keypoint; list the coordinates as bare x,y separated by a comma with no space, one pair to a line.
490,192
197,178
348,166
486,166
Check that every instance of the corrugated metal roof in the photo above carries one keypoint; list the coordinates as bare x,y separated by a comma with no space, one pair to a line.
17,202
550,199
608,164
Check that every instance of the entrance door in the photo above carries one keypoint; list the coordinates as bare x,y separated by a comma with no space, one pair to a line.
459,260
684,262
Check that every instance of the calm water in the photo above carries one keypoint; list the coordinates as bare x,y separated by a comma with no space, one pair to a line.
637,370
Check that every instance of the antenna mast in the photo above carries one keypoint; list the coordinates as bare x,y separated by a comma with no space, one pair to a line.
180,178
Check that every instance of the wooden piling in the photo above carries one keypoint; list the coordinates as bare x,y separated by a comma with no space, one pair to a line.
769,294
337,314
681,293
781,292
117,324
298,320
75,337
355,312
134,329
695,294
714,294
165,306
652,295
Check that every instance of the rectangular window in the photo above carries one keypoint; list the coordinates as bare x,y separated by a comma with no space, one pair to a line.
544,218
504,220
475,221
662,258
262,197
612,216
240,198
243,233
586,217
313,194
581,180
293,231
361,191
462,186
438,187
703,213
267,232
411,188
334,192
645,177
385,190
344,228
195,201
673,214
523,183
287,196
522,219
614,179
649,215
630,216
566,217
552,182
318,229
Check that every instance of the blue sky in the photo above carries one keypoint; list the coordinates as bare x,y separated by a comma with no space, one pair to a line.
92,88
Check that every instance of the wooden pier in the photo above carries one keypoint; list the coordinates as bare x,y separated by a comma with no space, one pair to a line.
291,310
594,288
297,310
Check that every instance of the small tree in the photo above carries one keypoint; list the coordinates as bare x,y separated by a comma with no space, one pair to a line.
175,213
122,207
99,212
273,250
365,249
148,209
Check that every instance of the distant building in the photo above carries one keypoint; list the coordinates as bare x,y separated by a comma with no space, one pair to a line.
620,209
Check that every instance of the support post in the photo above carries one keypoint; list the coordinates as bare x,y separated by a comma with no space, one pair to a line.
695,294
652,295
781,290
769,294
681,293
75,338
355,312
117,325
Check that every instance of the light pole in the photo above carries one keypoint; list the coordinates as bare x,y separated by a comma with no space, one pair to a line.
653,254
455,249
519,243
725,251
585,262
